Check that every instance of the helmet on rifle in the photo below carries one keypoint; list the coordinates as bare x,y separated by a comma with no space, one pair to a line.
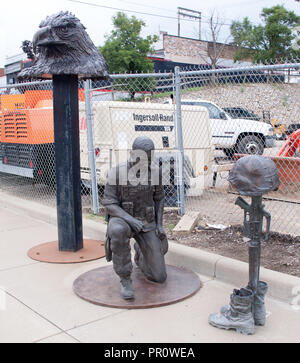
254,175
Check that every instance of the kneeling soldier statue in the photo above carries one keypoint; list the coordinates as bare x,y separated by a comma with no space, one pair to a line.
134,202
253,176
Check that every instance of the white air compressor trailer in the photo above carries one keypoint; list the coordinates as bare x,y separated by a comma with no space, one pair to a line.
117,124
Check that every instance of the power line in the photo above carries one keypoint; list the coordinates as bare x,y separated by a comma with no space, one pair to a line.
133,11
191,14
172,11
125,10
149,6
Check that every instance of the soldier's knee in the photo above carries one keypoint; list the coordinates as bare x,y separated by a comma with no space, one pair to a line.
118,231
159,276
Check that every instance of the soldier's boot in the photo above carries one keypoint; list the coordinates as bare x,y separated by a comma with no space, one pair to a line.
258,307
126,288
225,308
239,315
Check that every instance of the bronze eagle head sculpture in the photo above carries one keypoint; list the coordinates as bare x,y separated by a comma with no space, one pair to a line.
62,46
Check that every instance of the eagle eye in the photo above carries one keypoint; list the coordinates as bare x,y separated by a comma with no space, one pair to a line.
64,29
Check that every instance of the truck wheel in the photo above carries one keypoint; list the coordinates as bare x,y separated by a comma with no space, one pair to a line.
250,144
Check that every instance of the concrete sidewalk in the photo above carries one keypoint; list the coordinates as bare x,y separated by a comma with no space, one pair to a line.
37,303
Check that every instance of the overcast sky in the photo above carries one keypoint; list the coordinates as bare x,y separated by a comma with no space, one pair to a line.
20,19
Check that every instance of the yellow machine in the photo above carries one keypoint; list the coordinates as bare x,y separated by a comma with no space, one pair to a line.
279,129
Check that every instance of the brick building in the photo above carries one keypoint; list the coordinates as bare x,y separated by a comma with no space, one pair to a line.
187,51
2,77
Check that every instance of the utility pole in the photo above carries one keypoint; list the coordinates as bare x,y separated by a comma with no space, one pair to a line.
191,14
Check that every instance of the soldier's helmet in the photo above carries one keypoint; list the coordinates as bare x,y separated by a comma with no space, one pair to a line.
143,143
254,175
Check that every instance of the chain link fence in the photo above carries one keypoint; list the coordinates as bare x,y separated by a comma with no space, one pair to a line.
252,110
201,121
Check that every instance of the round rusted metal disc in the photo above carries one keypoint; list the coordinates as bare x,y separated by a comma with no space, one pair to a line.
101,286
49,252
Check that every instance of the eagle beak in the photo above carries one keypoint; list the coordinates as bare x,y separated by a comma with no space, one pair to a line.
43,38
39,37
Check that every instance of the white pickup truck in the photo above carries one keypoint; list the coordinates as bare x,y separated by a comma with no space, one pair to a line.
235,135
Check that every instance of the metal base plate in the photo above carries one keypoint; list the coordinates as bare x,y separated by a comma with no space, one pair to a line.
49,252
101,286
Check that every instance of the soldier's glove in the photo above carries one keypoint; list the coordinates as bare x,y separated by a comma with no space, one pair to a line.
160,232
136,225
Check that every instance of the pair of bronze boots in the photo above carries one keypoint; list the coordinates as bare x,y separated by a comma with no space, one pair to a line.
245,310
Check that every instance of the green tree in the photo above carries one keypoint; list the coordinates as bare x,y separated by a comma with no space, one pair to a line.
269,42
125,51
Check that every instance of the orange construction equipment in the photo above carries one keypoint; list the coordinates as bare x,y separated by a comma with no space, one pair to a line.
32,126
28,118
27,135
12,102
291,145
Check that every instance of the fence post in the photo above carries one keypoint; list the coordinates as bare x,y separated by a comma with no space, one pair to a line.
179,140
91,148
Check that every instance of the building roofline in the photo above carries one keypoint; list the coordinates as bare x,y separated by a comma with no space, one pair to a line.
198,40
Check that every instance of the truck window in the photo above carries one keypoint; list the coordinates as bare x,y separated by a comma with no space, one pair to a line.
213,111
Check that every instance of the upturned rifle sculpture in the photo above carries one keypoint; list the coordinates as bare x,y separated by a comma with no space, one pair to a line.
253,176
